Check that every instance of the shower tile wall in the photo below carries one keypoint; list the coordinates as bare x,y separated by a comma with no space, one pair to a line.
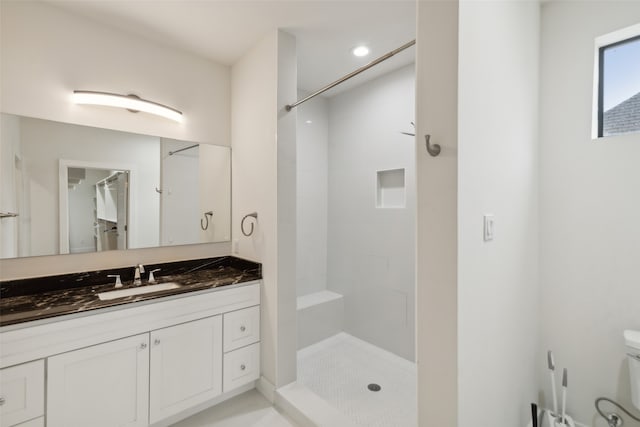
370,256
312,139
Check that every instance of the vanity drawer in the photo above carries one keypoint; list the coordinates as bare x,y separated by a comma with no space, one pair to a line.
22,393
241,328
241,367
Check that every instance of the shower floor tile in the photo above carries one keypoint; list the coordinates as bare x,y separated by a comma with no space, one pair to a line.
339,369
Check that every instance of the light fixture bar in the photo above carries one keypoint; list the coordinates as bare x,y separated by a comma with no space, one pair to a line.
130,102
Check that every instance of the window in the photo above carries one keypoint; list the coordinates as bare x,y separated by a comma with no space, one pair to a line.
618,83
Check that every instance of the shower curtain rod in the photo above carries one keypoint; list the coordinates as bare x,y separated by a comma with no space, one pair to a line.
384,57
171,153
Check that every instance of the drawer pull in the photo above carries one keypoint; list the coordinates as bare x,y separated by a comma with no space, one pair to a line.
143,345
242,367
156,341
242,328
2,401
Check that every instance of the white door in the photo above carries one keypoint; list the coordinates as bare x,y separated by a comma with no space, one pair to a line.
122,212
106,385
186,366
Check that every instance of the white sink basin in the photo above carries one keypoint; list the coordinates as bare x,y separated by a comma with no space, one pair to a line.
104,296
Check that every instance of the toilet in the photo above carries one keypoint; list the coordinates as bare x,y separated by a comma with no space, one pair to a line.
632,342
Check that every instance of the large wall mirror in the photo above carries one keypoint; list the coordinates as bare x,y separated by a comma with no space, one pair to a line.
71,189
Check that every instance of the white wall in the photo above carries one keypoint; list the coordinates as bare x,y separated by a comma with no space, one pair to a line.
311,194
263,176
47,53
436,218
371,250
44,143
590,234
9,149
498,174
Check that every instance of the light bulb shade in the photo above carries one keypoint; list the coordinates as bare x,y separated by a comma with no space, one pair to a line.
129,102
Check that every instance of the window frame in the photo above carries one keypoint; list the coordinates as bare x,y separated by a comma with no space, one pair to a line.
615,38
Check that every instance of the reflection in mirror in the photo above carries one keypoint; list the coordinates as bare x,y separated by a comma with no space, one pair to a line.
114,190
193,178
97,209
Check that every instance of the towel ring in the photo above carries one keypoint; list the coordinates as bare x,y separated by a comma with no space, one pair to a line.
253,215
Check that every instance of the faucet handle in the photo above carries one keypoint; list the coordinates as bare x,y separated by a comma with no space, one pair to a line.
152,279
118,282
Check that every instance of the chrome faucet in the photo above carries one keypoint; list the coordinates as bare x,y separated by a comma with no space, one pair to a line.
136,276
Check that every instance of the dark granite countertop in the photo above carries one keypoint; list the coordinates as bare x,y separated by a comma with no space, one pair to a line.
45,297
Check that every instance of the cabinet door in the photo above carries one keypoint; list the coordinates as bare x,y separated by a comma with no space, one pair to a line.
186,366
105,385
21,393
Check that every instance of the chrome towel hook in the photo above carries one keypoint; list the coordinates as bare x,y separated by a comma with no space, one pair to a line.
434,149
253,215
207,215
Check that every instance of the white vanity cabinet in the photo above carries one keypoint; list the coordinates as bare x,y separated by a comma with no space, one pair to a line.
147,364
186,366
21,393
104,385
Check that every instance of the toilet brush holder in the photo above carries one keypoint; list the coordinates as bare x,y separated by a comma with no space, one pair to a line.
555,420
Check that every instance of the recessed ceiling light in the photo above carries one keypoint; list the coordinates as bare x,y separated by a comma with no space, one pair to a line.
308,122
360,51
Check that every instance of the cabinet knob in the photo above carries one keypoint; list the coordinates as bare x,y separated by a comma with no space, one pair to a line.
156,341
242,367
242,328
2,401
143,345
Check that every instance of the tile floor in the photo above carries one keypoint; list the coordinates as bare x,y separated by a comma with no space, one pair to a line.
249,409
339,369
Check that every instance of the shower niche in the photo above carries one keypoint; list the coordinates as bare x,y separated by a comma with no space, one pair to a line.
391,189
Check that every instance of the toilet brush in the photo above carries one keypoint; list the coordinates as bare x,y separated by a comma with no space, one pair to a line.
564,394
552,368
562,419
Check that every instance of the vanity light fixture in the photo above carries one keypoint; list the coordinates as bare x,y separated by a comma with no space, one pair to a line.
360,51
132,103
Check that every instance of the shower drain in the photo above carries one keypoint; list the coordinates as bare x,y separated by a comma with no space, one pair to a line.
374,387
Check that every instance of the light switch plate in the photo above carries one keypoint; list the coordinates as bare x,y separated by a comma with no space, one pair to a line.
488,227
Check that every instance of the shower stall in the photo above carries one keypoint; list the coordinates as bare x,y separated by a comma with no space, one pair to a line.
356,249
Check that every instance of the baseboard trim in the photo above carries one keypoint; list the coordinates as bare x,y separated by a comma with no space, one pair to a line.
307,408
201,407
266,388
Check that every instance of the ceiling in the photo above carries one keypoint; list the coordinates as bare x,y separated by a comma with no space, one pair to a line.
223,31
